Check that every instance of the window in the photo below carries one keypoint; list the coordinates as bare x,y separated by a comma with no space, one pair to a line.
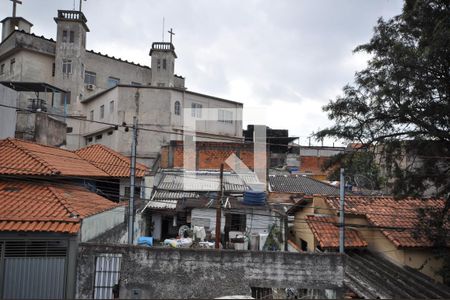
196,110
158,64
11,66
72,36
238,222
53,69
91,115
67,66
225,116
110,132
65,98
69,129
113,81
98,137
102,111
136,83
64,37
89,139
177,108
303,245
90,78
164,64
2,69
111,106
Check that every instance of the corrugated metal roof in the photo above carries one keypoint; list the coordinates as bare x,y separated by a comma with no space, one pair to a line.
162,204
204,181
301,184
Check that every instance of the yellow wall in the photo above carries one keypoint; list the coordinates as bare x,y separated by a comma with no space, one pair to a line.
301,228
423,261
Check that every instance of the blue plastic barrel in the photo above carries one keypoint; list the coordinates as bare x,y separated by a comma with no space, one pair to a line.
145,241
254,198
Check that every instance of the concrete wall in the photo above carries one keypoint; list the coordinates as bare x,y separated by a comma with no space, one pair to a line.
7,115
95,225
202,273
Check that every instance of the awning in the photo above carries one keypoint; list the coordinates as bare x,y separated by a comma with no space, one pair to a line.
21,86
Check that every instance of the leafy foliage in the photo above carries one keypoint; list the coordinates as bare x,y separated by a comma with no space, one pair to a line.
356,163
399,106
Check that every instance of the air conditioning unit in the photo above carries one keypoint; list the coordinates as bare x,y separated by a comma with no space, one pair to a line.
90,87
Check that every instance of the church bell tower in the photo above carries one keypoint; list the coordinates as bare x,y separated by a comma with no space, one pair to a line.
163,63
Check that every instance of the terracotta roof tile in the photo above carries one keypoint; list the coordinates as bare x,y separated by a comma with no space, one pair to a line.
397,219
18,157
110,161
45,207
326,232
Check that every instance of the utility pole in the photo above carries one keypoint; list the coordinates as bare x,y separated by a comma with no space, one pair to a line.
341,212
132,183
219,209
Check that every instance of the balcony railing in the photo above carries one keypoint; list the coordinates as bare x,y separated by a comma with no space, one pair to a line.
71,15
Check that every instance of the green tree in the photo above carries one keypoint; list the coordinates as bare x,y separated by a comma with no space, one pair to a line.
360,169
400,106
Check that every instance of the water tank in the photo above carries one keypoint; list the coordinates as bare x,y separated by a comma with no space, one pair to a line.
254,198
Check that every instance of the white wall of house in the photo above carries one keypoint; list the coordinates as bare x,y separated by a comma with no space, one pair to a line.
7,115
93,226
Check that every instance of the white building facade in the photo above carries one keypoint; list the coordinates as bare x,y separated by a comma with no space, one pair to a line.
110,90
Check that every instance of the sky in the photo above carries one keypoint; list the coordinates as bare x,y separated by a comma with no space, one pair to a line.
283,59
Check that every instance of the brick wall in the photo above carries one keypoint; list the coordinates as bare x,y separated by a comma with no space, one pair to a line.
209,155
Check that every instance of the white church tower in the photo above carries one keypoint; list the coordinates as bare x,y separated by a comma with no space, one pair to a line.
70,55
163,63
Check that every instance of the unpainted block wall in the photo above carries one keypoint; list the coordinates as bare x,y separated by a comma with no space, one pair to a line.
203,273
209,155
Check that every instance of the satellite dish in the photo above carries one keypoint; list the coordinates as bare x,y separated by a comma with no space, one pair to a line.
182,230
364,183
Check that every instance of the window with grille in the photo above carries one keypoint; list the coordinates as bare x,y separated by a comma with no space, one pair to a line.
196,111
67,66
262,293
238,222
225,116
113,81
90,78
177,108
102,111
11,66
107,275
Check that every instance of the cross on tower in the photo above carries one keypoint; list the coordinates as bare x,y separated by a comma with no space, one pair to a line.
171,34
15,2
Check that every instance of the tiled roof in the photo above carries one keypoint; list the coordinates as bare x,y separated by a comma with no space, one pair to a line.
45,207
301,184
110,161
326,232
397,219
19,157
